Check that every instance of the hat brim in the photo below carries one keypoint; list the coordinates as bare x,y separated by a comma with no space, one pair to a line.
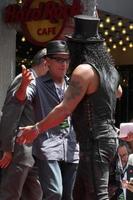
87,40
61,53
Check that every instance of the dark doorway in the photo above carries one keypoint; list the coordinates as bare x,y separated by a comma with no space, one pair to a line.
124,109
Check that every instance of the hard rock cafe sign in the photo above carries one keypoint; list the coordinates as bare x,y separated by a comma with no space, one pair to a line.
41,20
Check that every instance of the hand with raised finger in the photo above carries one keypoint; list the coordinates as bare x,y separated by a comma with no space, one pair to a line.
26,76
26,79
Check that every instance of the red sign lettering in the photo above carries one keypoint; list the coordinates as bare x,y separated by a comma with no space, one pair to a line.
39,13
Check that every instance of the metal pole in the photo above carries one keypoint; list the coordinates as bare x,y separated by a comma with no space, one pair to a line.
89,7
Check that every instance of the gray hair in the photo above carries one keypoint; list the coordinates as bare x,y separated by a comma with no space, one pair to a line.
38,56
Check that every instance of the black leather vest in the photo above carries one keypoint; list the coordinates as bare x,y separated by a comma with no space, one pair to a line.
94,116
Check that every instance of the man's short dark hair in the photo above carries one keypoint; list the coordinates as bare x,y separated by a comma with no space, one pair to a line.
124,143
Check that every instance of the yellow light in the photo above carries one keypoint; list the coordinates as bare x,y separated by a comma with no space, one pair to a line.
108,49
124,48
110,39
20,1
101,25
114,46
113,28
104,44
127,38
131,26
23,39
120,23
106,32
131,45
108,20
120,42
124,31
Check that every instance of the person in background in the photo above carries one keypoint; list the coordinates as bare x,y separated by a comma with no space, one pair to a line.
91,98
19,172
125,167
131,142
129,137
56,151
131,145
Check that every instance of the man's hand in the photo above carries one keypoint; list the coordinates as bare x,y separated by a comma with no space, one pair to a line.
6,159
28,135
26,76
130,186
26,79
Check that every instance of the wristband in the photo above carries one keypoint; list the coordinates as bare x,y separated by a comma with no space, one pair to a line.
37,129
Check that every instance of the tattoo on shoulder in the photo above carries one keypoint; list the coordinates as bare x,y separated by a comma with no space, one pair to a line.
75,89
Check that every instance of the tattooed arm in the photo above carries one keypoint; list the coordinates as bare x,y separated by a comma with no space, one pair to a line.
82,82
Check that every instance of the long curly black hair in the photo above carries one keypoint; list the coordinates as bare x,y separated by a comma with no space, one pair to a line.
91,53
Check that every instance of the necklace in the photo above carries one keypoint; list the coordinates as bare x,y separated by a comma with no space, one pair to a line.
60,89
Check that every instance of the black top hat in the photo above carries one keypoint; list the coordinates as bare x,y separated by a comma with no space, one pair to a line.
57,47
86,29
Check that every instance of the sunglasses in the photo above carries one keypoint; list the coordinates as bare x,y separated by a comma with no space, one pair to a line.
60,59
